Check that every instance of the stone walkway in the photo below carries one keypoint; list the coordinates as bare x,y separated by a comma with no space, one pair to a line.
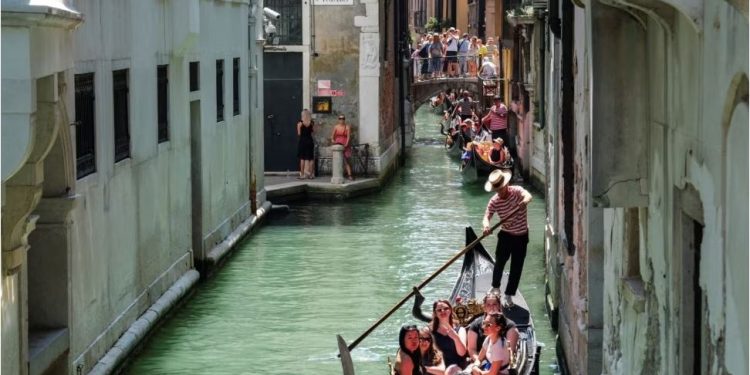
283,188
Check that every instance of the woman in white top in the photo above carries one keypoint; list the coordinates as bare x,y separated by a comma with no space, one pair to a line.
494,349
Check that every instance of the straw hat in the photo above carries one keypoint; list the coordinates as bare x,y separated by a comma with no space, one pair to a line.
497,179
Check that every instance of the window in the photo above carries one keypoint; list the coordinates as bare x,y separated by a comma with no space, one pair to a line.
195,77
122,122
219,90
289,26
236,86
85,134
162,89
632,264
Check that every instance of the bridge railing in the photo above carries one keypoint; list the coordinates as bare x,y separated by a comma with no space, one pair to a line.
436,68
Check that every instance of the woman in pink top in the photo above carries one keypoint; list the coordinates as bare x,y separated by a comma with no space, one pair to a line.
341,136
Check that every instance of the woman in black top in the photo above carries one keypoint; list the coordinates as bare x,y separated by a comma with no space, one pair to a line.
306,146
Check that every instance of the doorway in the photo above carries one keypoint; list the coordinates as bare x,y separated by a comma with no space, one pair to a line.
282,88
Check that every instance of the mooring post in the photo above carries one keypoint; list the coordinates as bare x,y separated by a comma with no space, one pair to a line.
337,164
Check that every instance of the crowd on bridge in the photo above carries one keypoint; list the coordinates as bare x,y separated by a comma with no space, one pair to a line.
452,54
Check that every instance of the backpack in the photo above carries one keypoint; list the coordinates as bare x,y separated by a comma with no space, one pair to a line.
423,52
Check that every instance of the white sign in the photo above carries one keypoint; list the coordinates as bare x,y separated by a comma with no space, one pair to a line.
333,2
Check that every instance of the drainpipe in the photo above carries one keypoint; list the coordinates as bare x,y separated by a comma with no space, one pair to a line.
400,42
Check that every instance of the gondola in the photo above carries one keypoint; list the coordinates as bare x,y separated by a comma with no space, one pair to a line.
477,166
472,283
454,144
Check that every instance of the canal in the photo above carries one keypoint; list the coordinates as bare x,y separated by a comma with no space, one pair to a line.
334,268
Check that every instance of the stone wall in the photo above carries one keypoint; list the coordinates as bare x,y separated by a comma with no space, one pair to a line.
655,284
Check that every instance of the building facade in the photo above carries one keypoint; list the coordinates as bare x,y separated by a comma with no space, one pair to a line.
647,185
129,164
334,59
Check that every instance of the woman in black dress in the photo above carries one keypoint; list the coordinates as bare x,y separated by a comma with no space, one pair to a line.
306,146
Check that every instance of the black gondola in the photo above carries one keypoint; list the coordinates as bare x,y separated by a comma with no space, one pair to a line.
476,167
473,282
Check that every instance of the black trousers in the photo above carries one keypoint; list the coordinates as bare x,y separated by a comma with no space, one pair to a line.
513,247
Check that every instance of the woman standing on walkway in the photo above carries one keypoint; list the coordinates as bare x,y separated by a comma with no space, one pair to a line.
342,136
305,146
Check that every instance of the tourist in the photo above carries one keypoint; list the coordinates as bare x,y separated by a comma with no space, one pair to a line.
488,69
305,146
473,55
499,155
408,359
436,55
479,132
463,53
450,338
432,358
475,334
494,348
341,135
451,52
509,202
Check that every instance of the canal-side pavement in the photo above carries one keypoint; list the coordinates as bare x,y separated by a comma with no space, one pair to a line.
282,188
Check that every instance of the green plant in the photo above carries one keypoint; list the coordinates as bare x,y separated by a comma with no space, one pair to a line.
432,24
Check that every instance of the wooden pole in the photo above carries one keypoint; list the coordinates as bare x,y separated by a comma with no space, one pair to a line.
427,281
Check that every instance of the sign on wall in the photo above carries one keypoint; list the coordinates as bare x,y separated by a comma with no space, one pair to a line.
322,104
333,2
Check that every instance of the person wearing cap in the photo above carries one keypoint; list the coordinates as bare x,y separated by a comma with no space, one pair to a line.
497,119
509,203
463,53
451,52
499,155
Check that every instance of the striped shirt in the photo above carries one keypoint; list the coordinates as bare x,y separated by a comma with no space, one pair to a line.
516,224
498,121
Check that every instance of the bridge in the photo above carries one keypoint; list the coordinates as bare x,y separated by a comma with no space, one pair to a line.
422,91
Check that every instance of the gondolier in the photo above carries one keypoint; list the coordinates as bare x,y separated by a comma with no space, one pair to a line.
497,119
509,202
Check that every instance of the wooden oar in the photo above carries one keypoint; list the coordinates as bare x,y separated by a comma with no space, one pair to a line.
425,282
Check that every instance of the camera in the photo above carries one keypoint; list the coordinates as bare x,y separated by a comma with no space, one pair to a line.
270,30
271,14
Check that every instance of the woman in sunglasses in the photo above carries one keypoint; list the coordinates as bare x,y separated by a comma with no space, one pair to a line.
495,349
342,136
449,337
408,358
432,358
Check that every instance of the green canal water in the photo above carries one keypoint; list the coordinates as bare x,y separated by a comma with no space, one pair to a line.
334,268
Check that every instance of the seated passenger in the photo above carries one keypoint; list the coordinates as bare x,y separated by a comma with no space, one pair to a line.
432,358
499,155
479,132
408,358
450,338
468,154
475,334
494,348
